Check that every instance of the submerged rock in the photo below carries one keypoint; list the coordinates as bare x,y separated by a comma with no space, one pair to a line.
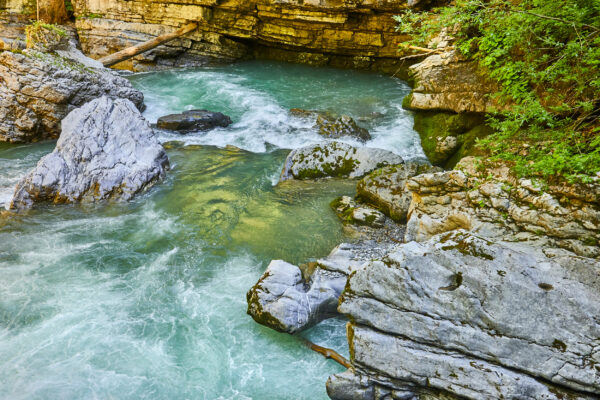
463,317
193,120
332,126
335,159
107,150
385,188
37,90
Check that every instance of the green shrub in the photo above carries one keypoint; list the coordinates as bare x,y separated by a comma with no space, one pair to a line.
546,57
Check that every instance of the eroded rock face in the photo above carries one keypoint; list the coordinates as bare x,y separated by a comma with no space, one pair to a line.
288,299
493,203
107,150
465,317
337,33
446,82
193,120
37,90
385,188
335,159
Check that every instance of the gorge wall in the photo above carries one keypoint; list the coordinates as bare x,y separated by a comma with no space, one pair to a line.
341,33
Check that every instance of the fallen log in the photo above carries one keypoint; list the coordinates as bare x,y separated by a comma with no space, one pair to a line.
328,353
143,47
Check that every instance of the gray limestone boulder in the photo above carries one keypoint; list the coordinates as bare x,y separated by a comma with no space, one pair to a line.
107,150
464,317
289,299
335,159
37,90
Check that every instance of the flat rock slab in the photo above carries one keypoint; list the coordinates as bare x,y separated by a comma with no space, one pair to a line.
193,120
476,319
107,150
335,159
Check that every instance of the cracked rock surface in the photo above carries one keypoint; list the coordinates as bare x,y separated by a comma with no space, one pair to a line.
463,317
37,90
107,150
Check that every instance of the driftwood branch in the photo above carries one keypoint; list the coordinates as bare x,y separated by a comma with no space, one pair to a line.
143,47
328,353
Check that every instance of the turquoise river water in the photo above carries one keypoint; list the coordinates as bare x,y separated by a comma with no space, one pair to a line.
146,300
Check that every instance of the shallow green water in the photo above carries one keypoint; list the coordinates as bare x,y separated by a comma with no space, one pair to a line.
147,299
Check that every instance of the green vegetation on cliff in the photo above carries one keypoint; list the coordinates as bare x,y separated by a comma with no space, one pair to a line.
546,56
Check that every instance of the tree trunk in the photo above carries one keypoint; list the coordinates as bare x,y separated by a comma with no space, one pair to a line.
132,51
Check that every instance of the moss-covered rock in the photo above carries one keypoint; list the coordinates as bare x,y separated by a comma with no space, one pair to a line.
358,214
335,159
447,137
384,188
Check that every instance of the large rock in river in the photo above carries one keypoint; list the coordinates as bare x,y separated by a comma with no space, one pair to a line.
461,317
37,90
335,159
193,120
107,150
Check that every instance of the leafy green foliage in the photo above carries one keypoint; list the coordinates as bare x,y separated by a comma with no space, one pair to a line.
546,57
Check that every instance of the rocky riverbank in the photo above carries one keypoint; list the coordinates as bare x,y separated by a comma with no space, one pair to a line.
492,292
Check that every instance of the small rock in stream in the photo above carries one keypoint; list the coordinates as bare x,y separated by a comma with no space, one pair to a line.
193,120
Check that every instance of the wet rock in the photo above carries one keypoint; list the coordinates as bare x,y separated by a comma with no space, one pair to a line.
193,120
107,150
494,203
335,159
351,212
340,127
37,90
332,126
465,317
385,188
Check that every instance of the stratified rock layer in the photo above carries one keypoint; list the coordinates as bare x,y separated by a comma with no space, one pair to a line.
465,317
446,82
337,33
335,159
37,90
494,203
107,150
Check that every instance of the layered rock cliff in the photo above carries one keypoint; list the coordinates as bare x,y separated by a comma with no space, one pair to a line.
338,33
